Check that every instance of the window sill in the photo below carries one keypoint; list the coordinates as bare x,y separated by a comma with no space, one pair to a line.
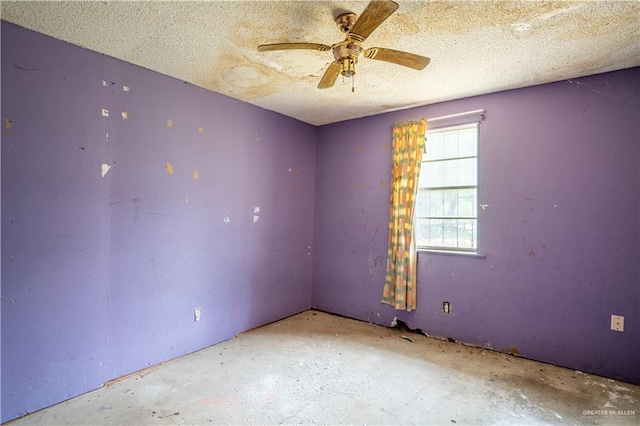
453,253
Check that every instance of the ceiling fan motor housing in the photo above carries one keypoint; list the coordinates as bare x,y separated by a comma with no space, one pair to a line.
347,54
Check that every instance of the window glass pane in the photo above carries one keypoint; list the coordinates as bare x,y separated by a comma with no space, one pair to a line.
451,144
467,146
438,203
423,203
434,147
449,173
467,202
447,233
447,203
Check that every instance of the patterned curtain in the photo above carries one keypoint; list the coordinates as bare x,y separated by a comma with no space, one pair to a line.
400,283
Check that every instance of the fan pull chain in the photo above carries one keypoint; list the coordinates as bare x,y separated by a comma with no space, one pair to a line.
353,80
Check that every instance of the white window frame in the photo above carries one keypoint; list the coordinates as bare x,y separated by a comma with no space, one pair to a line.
461,121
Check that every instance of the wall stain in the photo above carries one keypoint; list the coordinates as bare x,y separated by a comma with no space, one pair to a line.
34,69
169,168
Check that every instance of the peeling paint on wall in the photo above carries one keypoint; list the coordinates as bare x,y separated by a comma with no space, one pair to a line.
126,88
484,206
169,168
169,123
105,169
256,214
195,175
125,115
105,112
8,124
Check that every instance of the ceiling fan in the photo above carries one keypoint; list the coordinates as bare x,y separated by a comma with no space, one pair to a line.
347,52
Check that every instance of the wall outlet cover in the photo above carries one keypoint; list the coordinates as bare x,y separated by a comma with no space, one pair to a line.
617,323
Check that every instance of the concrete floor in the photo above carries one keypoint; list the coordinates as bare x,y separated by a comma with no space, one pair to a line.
316,368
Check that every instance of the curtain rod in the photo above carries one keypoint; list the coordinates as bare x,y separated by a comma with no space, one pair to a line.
461,114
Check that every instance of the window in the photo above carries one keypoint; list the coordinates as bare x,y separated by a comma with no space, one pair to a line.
446,208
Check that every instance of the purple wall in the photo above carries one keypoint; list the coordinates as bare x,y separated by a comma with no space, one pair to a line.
100,276
559,166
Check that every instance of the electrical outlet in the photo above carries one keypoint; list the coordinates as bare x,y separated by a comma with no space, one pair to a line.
617,323
196,314
446,307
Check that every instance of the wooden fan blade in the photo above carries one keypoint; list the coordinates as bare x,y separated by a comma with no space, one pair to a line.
330,76
374,15
406,59
287,46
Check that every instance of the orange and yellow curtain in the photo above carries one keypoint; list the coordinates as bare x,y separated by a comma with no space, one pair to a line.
400,283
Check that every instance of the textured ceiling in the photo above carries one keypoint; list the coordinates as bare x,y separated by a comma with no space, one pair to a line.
475,47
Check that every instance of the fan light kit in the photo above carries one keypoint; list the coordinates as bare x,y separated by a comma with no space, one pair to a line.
347,52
